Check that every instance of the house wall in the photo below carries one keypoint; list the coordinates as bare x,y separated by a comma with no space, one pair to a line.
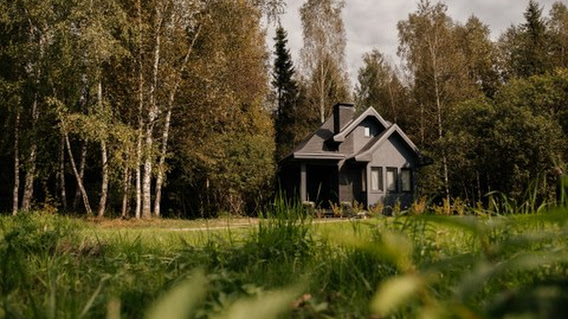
393,153
358,134
350,176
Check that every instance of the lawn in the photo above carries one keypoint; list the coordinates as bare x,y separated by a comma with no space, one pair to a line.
400,267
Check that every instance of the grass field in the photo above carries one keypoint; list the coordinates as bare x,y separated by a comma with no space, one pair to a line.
400,267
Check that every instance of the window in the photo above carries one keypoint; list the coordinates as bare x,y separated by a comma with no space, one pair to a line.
367,131
377,179
406,179
392,179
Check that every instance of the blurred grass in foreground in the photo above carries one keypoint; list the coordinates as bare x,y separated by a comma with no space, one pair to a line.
285,265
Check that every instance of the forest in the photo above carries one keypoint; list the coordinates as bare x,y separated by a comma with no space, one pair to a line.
179,108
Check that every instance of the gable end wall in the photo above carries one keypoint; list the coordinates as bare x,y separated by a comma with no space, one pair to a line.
393,153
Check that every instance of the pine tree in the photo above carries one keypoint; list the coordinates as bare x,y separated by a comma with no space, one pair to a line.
286,91
527,47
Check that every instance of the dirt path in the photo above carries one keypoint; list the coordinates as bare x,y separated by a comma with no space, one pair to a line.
254,222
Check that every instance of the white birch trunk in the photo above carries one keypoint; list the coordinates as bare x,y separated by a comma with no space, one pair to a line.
161,165
138,208
163,152
16,191
31,164
440,123
104,158
125,190
79,178
82,163
152,115
104,185
63,193
322,93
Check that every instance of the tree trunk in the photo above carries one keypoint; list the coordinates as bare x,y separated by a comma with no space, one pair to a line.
322,95
152,116
138,208
125,190
104,185
78,177
440,124
62,191
31,164
82,163
392,101
104,158
161,164
16,192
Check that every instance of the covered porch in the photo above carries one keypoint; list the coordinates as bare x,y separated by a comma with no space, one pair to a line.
312,180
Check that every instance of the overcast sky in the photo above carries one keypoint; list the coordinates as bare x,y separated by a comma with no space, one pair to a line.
372,23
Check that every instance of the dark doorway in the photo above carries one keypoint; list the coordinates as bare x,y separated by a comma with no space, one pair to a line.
322,184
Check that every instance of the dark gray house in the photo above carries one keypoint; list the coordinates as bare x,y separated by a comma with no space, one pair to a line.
364,159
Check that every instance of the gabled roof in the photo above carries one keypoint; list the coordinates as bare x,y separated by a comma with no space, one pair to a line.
314,146
366,153
353,124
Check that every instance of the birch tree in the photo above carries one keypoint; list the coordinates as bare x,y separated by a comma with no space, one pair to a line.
427,43
224,135
379,86
25,46
323,54
175,28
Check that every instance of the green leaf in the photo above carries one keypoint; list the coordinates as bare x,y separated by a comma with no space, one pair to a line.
270,305
182,300
395,293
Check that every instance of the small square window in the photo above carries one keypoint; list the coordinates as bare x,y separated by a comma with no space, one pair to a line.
367,131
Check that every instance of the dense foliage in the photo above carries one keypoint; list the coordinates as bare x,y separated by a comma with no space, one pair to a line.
165,107
490,113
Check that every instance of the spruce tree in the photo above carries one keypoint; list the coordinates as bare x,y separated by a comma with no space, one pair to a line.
286,92
527,46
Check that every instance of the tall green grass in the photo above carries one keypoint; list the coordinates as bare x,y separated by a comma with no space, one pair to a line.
288,266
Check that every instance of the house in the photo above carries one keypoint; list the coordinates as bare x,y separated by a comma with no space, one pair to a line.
364,159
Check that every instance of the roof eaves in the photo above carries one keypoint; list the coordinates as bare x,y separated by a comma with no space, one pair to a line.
406,139
325,156
351,125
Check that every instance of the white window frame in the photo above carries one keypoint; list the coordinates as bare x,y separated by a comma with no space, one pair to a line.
367,131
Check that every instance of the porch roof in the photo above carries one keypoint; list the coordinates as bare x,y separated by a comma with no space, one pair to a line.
319,156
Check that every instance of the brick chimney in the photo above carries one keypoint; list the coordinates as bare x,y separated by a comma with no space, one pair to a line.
342,114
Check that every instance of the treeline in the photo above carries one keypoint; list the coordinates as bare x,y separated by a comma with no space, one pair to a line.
134,107
175,107
493,115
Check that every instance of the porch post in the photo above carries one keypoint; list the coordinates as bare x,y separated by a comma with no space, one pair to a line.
368,183
303,182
